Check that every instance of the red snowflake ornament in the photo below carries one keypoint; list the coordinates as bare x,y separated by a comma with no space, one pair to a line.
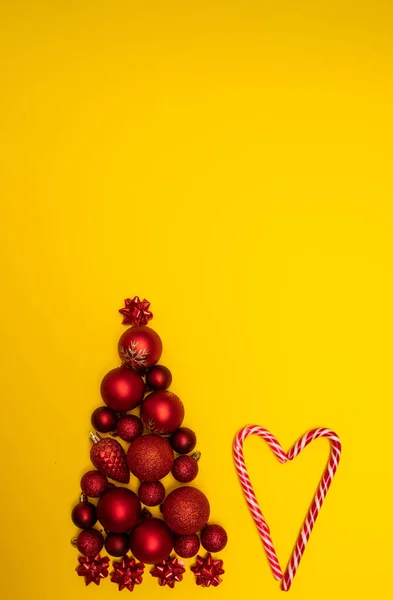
136,311
93,568
207,571
169,571
127,573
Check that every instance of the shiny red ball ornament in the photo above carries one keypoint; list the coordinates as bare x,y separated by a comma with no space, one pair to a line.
187,546
159,377
104,419
108,456
84,514
90,542
118,510
140,348
162,412
93,484
185,469
129,427
183,440
117,544
214,538
150,457
151,493
186,510
151,541
122,389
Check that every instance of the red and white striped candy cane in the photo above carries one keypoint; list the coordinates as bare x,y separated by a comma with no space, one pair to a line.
315,507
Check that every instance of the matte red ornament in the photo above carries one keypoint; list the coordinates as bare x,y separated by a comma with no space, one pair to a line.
159,377
90,542
93,568
207,571
162,412
169,571
93,484
183,440
151,541
214,538
187,546
127,573
108,456
186,510
136,311
117,544
185,469
150,457
84,514
122,389
129,427
104,419
118,510
140,348
151,493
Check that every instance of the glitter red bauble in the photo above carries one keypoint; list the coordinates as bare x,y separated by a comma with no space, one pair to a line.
140,348
118,510
104,419
183,440
187,546
159,377
117,544
186,510
151,541
93,484
162,412
129,427
122,389
151,493
150,457
185,469
84,515
108,456
90,542
214,538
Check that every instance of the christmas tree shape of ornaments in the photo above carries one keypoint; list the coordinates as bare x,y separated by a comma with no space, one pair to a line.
154,443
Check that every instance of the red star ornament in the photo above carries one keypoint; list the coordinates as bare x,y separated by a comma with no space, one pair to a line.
93,568
169,571
127,573
207,571
136,311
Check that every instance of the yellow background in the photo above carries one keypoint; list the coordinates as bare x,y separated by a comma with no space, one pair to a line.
231,161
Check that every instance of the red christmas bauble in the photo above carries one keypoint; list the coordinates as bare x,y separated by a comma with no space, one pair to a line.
90,542
186,510
117,544
104,419
122,389
108,456
84,515
187,546
93,484
162,412
151,541
183,440
140,348
151,493
159,377
185,469
129,427
150,457
118,510
214,538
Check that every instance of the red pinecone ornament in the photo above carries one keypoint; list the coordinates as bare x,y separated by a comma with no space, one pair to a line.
127,573
169,571
108,456
207,571
93,568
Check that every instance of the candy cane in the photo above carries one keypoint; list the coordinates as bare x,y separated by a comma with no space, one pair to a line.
315,507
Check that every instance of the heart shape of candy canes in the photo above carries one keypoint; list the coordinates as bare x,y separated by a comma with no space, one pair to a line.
260,522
